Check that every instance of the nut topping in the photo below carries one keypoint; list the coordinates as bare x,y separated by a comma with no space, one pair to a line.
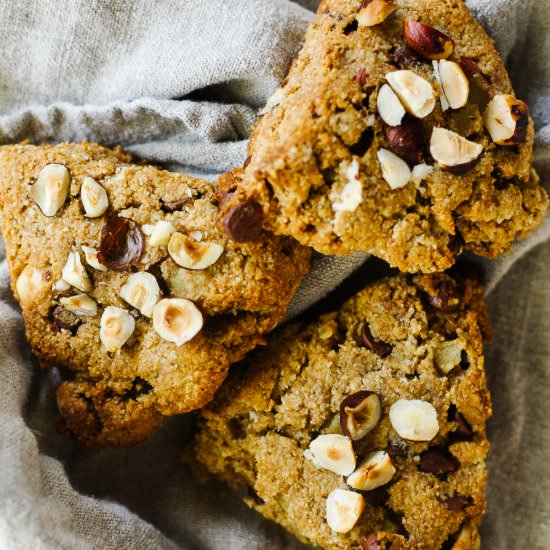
344,508
192,254
438,461
416,94
395,170
453,152
176,320
414,419
420,172
506,119
81,304
161,233
332,452
75,274
454,85
243,221
116,327
427,41
352,193
382,349
273,101
94,198
91,258
31,283
389,107
448,355
51,188
376,470
374,12
142,292
408,141
121,244
360,412
61,285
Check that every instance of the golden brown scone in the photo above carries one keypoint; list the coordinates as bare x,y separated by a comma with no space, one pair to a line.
129,362
336,163
397,371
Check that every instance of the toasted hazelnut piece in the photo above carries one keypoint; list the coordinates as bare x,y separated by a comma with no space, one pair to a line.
32,283
75,274
414,419
61,285
376,470
453,152
454,85
427,41
94,198
51,188
161,233
448,355
408,141
191,254
352,193
332,452
141,291
344,508
421,172
395,170
374,12
416,94
90,254
389,106
273,101
468,539
506,120
81,304
176,320
360,412
116,327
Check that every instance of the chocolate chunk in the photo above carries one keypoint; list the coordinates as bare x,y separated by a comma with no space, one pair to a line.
438,461
456,244
463,430
398,448
63,319
382,349
175,206
455,503
447,297
121,244
408,140
370,543
243,221
469,66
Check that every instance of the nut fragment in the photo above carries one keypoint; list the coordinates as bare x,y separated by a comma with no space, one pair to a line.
51,188
116,327
91,258
141,291
506,119
332,452
192,254
414,419
161,233
438,461
352,193
454,85
121,244
61,285
376,470
389,106
75,274
382,349
408,141
374,12
343,510
416,93
427,41
273,101
360,412
243,221
81,304
453,152
448,355
420,172
176,320
31,284
445,296
395,170
94,198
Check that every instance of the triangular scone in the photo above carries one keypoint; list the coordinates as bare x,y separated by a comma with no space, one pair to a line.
365,429
392,138
127,286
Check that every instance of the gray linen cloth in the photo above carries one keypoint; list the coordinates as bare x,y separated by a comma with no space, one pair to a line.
180,82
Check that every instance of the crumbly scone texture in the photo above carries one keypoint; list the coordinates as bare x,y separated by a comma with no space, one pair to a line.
267,413
324,118
118,398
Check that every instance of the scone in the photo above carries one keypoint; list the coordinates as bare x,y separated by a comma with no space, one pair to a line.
129,289
397,133
365,429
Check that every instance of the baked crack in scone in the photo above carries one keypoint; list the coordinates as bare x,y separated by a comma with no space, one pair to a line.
396,132
127,286
365,429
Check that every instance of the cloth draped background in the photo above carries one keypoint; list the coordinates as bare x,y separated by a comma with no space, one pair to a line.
180,83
